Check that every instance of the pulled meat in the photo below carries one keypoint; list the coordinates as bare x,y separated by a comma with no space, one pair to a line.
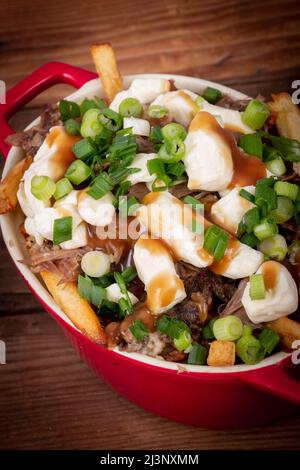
55,259
188,312
30,140
206,282
144,145
139,190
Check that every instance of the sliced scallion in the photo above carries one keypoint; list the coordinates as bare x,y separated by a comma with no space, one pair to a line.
91,126
62,230
156,111
275,247
63,187
197,355
228,328
276,166
265,229
289,190
174,131
139,330
252,144
257,287
255,114
42,187
131,107
78,172
212,95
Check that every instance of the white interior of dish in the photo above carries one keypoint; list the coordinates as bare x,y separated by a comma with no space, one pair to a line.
10,223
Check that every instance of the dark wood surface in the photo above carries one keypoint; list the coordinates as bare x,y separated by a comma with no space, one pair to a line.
48,397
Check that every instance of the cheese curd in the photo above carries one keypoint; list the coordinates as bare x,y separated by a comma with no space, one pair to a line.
228,211
281,297
143,176
155,268
166,217
143,89
241,261
208,159
98,212
52,159
139,126
114,294
180,104
231,119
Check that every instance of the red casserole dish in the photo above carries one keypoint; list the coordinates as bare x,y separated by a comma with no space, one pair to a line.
238,396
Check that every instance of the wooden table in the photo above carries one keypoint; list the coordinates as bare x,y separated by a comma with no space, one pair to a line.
48,397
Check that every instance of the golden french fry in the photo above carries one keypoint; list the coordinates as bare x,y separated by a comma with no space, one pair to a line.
287,115
10,184
106,65
288,330
221,353
77,309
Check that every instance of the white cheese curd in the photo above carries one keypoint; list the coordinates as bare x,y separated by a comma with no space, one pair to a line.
79,238
231,119
70,198
208,159
180,104
98,212
228,211
42,223
139,126
156,269
143,176
52,159
114,294
29,226
143,89
281,297
95,263
166,217
244,261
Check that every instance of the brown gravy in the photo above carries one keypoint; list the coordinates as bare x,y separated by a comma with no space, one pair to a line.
270,270
63,157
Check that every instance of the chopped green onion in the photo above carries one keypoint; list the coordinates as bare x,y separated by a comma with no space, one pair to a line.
266,182
72,127
42,187
156,111
197,355
110,119
129,274
184,341
275,247
249,239
174,131
63,187
198,206
68,109
122,189
216,241
139,330
156,135
276,166
269,339
251,219
125,303
228,328
247,330
290,190
89,104
176,169
255,114
252,144
208,333
265,195
288,148
265,229
212,95
257,287
128,206
248,349
78,172
161,183
91,126
246,195
123,147
131,107
156,166
172,151
84,148
93,293
101,186
62,230
171,327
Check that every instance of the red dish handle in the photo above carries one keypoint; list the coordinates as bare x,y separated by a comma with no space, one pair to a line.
44,77
278,381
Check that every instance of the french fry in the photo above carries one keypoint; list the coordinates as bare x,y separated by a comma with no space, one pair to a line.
106,65
77,309
10,184
287,115
288,330
221,353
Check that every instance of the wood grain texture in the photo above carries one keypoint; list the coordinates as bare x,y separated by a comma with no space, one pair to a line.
48,397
